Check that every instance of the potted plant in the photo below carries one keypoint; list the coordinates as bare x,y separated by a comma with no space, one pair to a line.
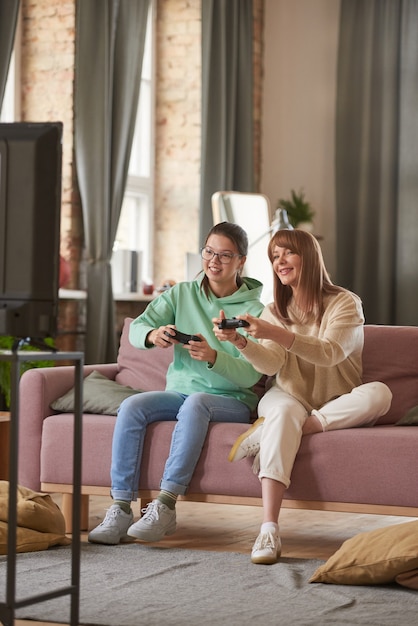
6,343
299,211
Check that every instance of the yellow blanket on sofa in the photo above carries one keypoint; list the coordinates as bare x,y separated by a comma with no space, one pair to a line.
40,522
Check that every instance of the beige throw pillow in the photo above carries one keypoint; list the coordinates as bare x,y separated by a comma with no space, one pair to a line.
377,557
40,523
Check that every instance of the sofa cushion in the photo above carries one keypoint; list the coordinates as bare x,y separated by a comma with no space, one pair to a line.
377,557
142,369
100,395
390,355
352,466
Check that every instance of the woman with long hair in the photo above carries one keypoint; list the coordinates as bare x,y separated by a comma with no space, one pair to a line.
310,339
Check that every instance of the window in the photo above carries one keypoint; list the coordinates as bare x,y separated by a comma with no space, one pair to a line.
136,221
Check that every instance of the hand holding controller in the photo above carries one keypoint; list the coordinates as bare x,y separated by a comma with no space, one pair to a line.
182,337
232,323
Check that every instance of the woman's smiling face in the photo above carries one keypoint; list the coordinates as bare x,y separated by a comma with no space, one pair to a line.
225,263
287,265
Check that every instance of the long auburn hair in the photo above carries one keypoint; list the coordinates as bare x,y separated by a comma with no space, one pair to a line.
314,280
238,236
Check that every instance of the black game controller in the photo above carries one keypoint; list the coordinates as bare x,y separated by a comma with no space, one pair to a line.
182,337
232,323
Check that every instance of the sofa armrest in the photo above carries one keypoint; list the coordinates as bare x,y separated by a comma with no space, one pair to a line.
39,387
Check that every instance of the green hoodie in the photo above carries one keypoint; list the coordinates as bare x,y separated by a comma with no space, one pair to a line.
187,306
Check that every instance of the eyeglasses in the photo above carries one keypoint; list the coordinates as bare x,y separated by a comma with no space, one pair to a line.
224,257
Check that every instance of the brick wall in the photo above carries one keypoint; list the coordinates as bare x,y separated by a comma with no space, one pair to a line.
178,131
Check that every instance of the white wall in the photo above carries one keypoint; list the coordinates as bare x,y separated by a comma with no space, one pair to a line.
298,130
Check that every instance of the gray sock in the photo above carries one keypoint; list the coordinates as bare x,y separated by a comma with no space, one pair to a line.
124,505
168,498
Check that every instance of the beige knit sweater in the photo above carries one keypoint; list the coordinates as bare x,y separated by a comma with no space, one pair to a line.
324,361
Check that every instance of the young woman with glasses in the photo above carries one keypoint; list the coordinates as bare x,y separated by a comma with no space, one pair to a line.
310,339
208,381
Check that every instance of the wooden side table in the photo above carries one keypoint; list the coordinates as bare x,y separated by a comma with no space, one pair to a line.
4,444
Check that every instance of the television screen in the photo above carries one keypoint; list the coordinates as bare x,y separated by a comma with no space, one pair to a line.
30,210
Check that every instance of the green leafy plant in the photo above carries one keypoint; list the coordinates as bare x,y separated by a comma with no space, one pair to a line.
6,343
298,209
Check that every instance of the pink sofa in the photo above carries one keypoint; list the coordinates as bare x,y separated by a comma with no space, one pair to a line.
371,470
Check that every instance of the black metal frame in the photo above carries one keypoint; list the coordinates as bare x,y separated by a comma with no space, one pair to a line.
8,608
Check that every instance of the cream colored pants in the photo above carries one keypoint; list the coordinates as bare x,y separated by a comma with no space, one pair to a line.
284,416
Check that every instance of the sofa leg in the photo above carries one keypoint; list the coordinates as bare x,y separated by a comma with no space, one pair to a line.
143,503
67,511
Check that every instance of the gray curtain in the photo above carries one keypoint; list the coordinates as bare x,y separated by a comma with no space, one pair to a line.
109,51
377,157
227,160
406,295
9,10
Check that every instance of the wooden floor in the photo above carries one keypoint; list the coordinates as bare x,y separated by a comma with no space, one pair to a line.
227,528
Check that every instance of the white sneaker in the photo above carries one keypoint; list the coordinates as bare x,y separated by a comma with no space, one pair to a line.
113,528
247,444
266,549
158,520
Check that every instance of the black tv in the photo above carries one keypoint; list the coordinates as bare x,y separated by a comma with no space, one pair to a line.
30,211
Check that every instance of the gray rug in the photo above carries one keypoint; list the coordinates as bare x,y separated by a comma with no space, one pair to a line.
134,584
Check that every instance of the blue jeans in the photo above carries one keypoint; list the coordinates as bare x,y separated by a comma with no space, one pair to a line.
193,414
